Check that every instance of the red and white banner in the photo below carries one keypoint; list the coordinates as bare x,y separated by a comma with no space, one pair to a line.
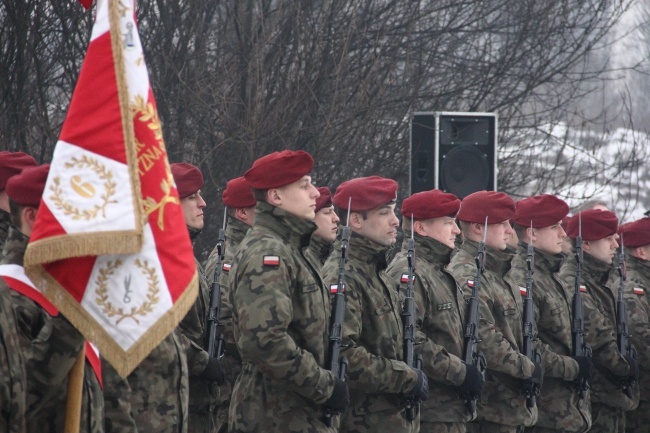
109,247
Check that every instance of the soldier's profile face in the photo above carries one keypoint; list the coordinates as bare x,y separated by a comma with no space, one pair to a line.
299,198
327,221
602,249
498,235
443,229
192,206
380,225
549,239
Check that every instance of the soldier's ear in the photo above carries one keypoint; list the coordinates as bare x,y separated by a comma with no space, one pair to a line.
356,220
28,218
273,197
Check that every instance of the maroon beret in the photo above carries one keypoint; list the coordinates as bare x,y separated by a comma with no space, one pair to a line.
542,210
325,199
367,193
496,206
187,177
238,194
430,204
26,188
596,224
12,163
279,169
636,233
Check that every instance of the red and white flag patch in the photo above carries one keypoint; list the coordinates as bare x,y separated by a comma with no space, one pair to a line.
583,289
271,260
523,291
226,267
470,284
405,278
334,288
638,291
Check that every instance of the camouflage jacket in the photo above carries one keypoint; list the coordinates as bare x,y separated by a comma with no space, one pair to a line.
203,395
501,335
637,295
50,345
154,397
13,378
319,250
5,222
281,312
559,406
372,337
440,321
601,282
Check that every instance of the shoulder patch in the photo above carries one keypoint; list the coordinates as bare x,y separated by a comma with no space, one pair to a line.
470,283
226,267
523,291
271,260
638,291
405,278
334,288
583,288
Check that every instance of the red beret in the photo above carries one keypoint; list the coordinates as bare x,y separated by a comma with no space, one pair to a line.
12,163
279,169
238,194
636,233
430,204
26,188
367,193
325,199
542,210
187,177
496,206
596,224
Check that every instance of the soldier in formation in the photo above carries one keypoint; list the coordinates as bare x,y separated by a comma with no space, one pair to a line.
11,164
322,241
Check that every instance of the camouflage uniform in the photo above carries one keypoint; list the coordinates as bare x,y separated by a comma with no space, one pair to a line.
559,406
281,312
92,403
154,397
12,369
502,406
372,340
441,317
203,394
50,345
231,361
608,400
5,222
319,250
638,304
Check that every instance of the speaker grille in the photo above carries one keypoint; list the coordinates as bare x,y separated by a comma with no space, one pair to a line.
464,170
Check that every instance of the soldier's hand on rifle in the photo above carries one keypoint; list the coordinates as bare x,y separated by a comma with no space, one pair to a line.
585,367
340,398
213,372
634,368
420,391
473,383
536,380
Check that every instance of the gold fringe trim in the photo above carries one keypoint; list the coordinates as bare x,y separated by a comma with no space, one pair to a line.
123,362
82,244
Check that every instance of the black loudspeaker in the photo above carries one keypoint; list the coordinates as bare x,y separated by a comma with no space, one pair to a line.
454,152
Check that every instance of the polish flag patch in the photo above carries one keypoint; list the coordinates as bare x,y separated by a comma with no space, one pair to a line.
334,288
583,289
405,278
271,260
226,266
638,291
523,291
470,284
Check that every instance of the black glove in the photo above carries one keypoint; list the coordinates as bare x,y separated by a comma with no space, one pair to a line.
472,386
535,382
420,391
213,372
340,398
634,368
585,367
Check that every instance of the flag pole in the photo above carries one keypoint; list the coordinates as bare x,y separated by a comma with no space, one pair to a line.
75,391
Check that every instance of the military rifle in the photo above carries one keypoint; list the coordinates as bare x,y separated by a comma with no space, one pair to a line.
336,363
580,345
408,323
215,343
622,337
471,355
531,391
